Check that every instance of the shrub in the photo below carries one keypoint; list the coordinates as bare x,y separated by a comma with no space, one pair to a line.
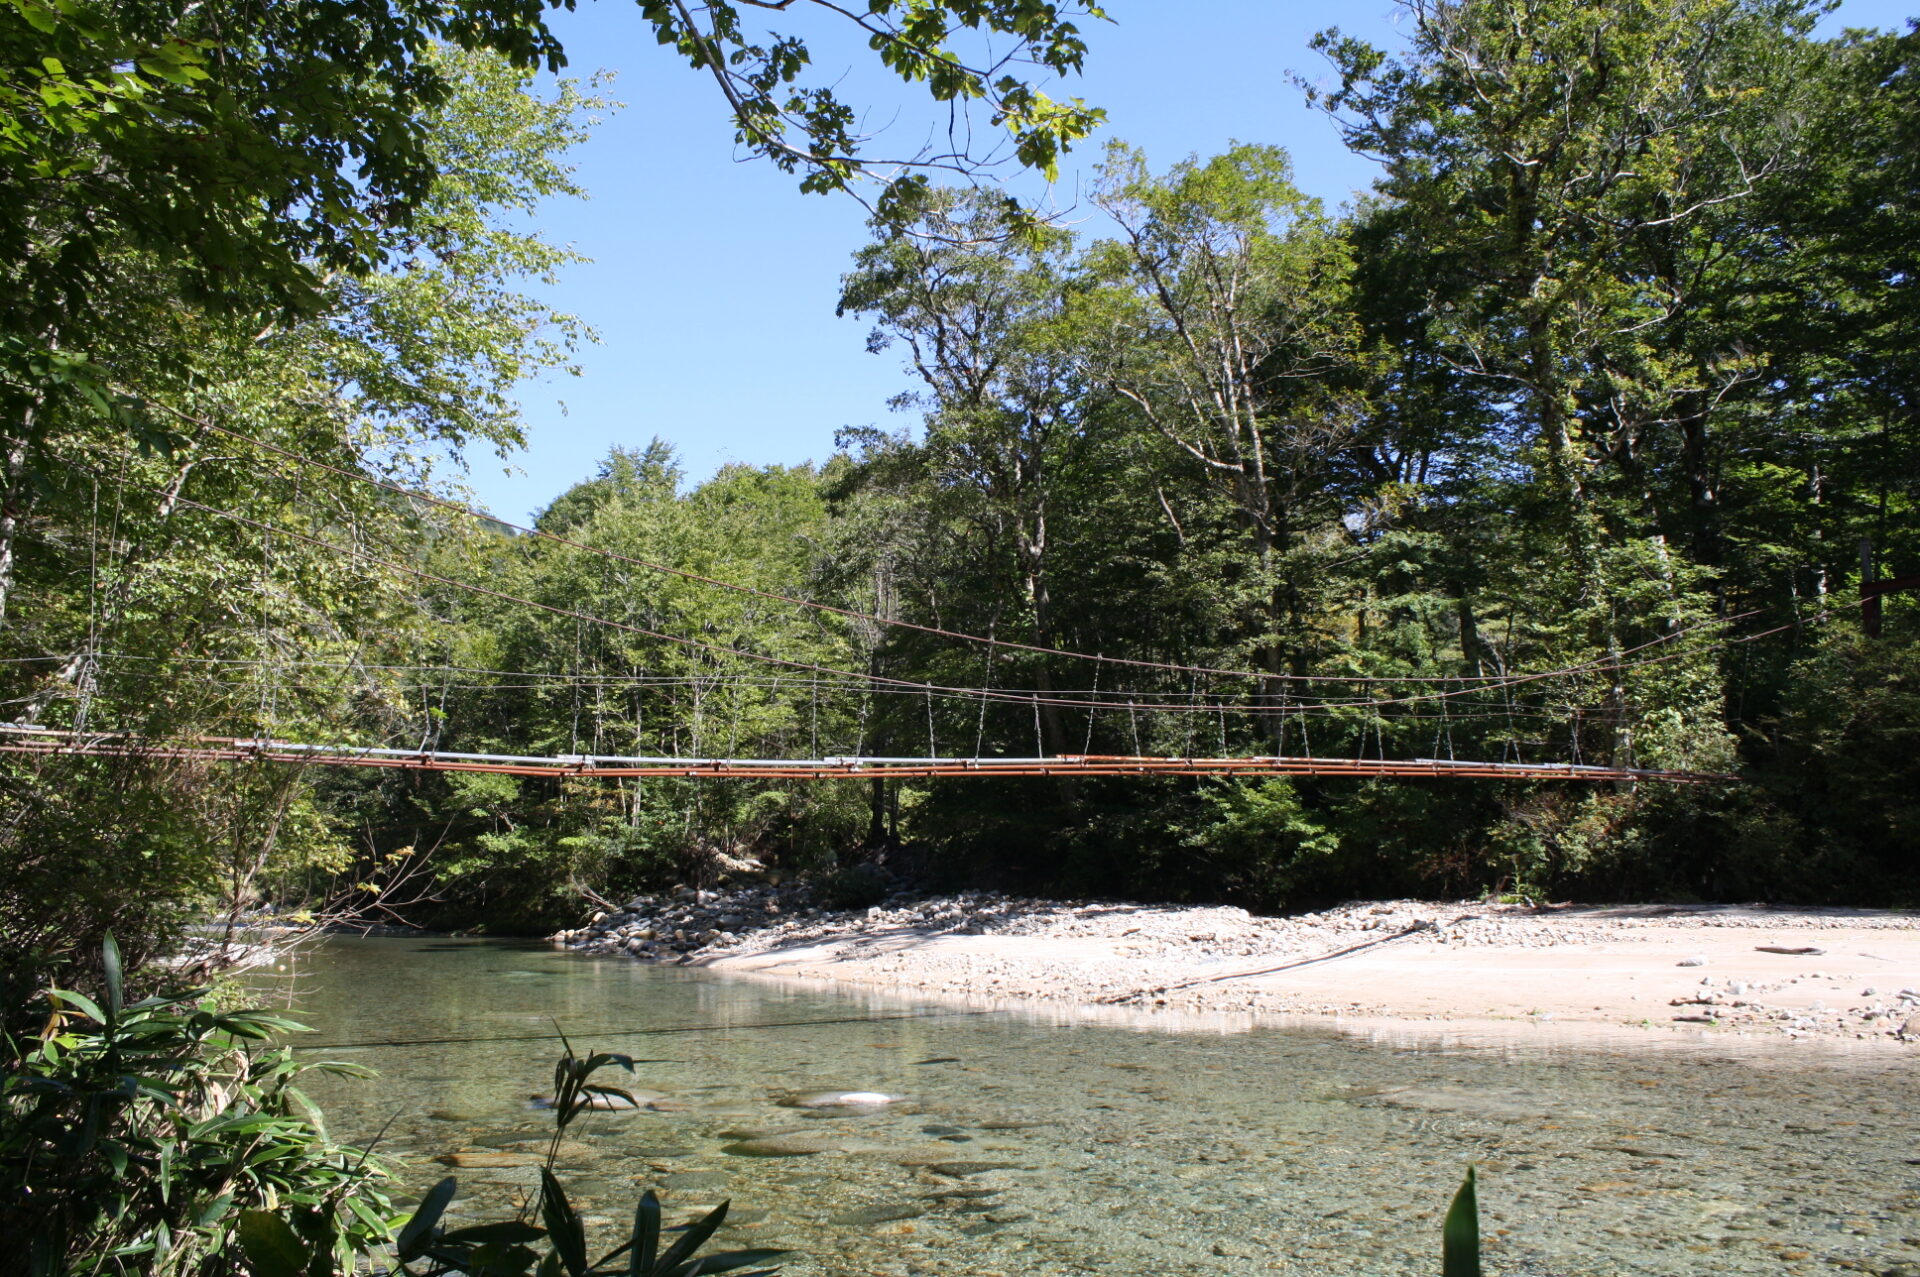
136,1138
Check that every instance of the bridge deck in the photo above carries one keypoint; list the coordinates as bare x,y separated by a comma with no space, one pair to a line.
230,749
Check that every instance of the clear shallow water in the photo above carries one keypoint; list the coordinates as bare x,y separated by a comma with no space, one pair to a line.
1036,1147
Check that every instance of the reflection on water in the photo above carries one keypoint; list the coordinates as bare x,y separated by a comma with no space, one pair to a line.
1036,1147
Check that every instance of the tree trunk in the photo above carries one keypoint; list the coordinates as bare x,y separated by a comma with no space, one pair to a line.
1052,730
15,502
1703,494
877,812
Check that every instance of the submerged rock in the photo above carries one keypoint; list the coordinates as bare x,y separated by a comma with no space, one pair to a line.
694,1181
841,1100
885,1213
611,1103
781,1146
476,1159
960,1170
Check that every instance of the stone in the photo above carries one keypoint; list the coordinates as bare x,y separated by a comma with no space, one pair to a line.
883,1213
476,1159
612,1103
1697,960
781,1146
961,1170
694,1181
841,1099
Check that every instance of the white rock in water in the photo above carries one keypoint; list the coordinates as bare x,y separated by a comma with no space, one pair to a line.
844,1099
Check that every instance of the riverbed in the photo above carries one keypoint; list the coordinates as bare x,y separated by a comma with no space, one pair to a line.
1044,1142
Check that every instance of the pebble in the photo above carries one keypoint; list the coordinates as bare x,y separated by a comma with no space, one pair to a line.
885,1213
695,1181
780,1146
961,1170
1149,952
842,1099
487,1160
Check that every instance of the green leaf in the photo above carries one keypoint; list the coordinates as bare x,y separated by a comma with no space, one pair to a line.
493,1260
214,1209
691,1240
80,1000
507,1231
646,1235
590,1091
413,1238
1460,1237
270,1245
563,1226
37,16
110,962
728,1260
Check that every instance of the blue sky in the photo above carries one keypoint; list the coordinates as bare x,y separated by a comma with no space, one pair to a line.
713,280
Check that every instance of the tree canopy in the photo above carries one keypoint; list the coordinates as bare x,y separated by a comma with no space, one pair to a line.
1561,444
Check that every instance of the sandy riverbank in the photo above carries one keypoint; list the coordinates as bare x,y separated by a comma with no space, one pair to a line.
1777,975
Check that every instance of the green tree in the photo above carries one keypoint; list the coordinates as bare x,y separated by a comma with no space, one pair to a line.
220,587
1235,343
985,312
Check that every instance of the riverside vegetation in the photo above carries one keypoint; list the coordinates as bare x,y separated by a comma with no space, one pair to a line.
167,1136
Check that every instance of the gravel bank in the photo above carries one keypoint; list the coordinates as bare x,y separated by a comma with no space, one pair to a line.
1806,974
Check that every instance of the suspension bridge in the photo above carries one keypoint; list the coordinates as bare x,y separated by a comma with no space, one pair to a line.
1266,695
26,739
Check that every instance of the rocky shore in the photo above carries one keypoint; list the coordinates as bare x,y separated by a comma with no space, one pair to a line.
1816,974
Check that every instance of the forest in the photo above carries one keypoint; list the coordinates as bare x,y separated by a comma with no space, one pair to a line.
1577,439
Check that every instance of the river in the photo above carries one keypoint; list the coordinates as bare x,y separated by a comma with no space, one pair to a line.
1042,1144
